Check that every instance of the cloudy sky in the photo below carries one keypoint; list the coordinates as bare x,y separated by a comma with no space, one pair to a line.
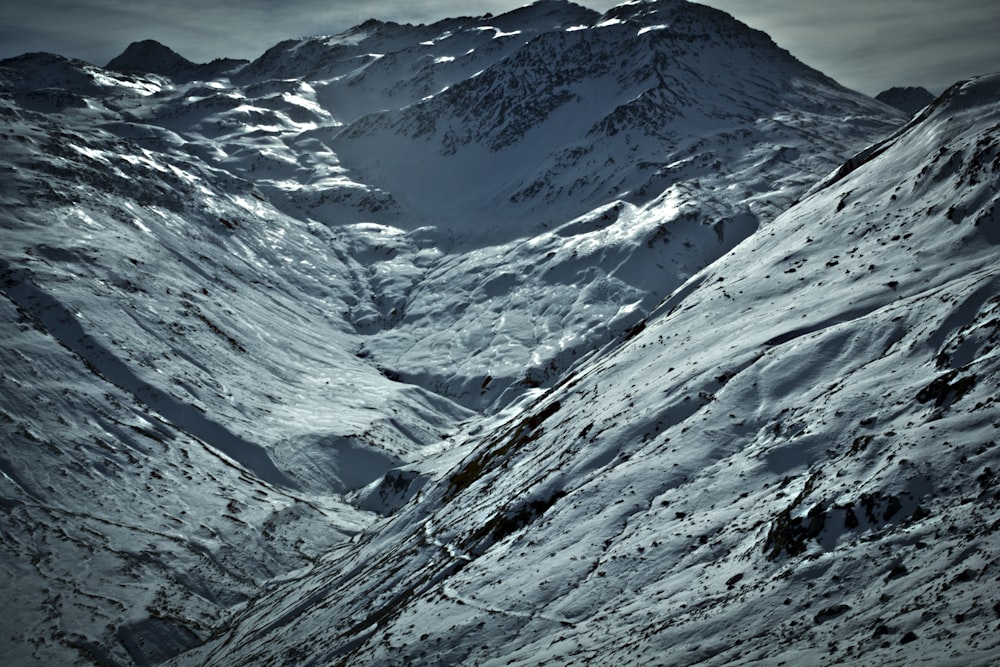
865,44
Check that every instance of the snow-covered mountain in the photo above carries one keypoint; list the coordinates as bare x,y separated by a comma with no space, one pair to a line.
792,459
550,335
643,136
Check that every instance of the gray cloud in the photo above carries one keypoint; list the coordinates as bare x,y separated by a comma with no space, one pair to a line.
863,44
98,30
871,46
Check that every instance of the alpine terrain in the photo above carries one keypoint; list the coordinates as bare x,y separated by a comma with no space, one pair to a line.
552,337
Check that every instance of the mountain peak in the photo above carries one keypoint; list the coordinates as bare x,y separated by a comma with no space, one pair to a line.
553,12
152,57
978,91
910,99
149,56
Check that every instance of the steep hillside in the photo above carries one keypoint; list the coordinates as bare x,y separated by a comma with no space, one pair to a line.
792,459
182,404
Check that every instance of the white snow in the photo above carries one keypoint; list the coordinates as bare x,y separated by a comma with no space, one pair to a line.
651,28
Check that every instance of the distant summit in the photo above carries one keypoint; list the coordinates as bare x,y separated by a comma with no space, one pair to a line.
151,57
910,99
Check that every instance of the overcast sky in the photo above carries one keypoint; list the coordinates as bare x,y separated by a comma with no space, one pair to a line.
868,45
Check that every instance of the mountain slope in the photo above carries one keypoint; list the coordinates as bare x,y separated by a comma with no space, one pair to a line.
794,459
182,405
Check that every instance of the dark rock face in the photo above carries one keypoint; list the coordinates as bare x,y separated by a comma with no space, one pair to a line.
910,99
151,57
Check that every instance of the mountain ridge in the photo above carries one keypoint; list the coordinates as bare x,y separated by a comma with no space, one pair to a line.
150,57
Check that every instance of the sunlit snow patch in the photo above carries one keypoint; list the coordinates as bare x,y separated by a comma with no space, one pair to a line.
650,28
